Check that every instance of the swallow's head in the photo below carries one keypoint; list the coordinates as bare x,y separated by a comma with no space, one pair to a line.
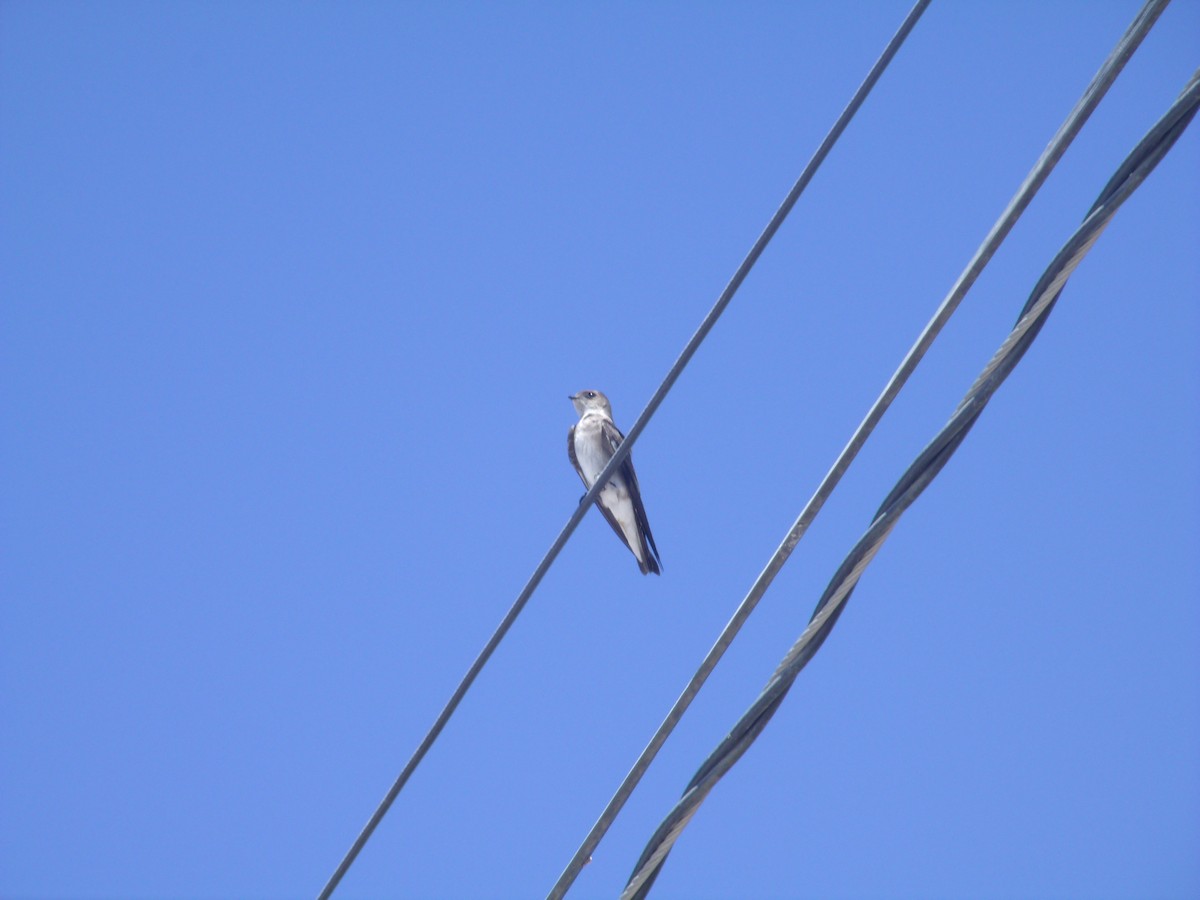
591,401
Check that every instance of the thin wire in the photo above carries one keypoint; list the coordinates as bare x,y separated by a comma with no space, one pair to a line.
619,456
1025,193
928,464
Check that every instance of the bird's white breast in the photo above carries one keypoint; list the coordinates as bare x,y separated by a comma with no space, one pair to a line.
590,451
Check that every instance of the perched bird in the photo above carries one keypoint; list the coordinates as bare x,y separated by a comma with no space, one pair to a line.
591,443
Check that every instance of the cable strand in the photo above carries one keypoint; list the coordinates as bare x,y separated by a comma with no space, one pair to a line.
1004,224
1137,166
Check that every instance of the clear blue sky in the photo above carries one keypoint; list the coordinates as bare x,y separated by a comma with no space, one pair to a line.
293,298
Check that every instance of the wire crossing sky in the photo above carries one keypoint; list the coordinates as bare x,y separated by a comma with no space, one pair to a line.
1008,218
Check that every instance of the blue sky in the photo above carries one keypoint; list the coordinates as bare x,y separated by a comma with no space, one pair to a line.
293,299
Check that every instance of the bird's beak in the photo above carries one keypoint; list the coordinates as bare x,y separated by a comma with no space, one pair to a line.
572,396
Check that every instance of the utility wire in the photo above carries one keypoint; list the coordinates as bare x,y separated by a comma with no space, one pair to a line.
924,469
1033,182
622,452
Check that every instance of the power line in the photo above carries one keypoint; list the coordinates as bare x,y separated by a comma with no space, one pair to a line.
924,469
621,453
1033,182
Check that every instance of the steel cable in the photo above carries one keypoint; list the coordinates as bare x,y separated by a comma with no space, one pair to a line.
1132,172
1008,218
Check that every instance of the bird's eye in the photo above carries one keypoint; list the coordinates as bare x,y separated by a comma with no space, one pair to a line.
589,394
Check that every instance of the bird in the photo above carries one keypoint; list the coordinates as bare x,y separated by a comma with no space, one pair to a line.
591,443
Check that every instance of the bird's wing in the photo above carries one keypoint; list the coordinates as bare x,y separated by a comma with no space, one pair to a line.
612,440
